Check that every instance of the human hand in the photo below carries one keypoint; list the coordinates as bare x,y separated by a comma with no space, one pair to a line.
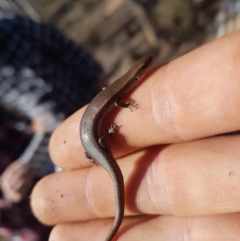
16,181
179,172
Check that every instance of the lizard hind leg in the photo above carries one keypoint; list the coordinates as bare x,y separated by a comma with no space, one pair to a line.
90,159
102,139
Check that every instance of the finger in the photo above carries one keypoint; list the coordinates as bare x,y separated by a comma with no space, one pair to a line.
17,177
11,171
187,179
66,140
167,228
194,96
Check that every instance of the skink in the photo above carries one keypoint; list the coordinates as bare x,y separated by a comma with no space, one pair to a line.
94,142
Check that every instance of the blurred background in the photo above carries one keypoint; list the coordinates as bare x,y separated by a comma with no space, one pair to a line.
120,32
55,55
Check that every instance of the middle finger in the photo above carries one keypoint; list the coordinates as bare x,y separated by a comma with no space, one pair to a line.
185,179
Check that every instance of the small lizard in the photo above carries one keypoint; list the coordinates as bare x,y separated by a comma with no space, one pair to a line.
91,136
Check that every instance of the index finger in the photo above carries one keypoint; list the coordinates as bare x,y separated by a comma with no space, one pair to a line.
192,97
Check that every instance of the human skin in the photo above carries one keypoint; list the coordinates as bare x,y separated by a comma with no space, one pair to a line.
16,181
182,178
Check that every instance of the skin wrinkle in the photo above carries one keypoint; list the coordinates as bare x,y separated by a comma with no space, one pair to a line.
157,190
155,105
150,186
179,99
187,231
162,92
163,186
88,193
169,199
